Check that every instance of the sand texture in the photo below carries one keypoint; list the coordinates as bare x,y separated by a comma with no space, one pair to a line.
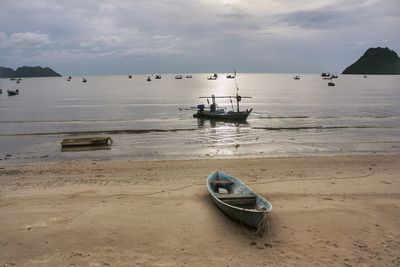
327,211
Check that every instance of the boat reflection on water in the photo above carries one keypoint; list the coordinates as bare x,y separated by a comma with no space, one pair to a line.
85,148
214,123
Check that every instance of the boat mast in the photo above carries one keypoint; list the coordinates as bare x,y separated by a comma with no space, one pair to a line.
237,94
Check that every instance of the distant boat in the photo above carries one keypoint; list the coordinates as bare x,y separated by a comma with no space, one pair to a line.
69,78
331,84
325,74
230,76
130,76
237,201
11,93
189,76
365,76
297,77
1,91
18,80
334,76
12,79
158,76
178,77
84,79
148,79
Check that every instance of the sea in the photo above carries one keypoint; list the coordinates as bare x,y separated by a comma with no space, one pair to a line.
154,120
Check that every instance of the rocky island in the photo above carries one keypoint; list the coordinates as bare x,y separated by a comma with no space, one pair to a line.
376,61
26,72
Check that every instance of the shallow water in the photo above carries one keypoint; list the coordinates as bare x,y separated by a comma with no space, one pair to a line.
290,117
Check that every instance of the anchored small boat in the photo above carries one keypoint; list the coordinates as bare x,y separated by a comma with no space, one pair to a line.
10,92
218,113
158,76
178,77
189,76
297,77
331,84
236,200
87,141
148,79
84,79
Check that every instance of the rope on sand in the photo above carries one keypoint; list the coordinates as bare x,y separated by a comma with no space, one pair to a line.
103,199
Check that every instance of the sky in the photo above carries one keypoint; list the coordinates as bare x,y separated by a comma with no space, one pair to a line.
94,37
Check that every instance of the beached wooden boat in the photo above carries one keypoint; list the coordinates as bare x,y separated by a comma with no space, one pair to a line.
87,141
236,200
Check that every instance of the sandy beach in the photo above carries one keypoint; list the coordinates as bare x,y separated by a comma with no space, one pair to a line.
327,211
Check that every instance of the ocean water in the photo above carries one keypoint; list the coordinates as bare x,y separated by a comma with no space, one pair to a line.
153,120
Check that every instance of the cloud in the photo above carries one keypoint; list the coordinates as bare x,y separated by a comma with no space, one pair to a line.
215,34
24,40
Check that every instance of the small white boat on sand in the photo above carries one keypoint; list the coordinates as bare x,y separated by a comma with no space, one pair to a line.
237,201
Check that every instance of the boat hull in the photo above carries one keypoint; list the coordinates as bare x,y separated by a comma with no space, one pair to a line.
229,116
252,216
86,141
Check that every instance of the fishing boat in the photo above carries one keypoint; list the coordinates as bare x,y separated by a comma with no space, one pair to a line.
158,76
230,76
297,77
331,84
69,78
237,200
148,79
218,113
325,74
189,76
178,77
130,76
87,141
84,79
215,112
11,93
213,77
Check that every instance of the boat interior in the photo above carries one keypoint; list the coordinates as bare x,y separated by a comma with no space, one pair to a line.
226,191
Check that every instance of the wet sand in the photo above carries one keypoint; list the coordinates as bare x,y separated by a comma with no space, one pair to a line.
327,211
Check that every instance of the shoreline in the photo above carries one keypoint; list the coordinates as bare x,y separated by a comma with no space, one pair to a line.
330,210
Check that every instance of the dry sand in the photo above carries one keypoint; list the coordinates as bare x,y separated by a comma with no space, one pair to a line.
328,211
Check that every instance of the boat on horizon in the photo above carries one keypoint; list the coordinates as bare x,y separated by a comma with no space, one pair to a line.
213,77
178,77
325,74
237,200
189,76
11,92
158,76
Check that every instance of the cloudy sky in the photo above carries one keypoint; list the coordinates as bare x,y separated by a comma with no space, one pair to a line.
94,37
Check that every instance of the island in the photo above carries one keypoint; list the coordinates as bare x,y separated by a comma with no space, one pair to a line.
376,61
26,72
